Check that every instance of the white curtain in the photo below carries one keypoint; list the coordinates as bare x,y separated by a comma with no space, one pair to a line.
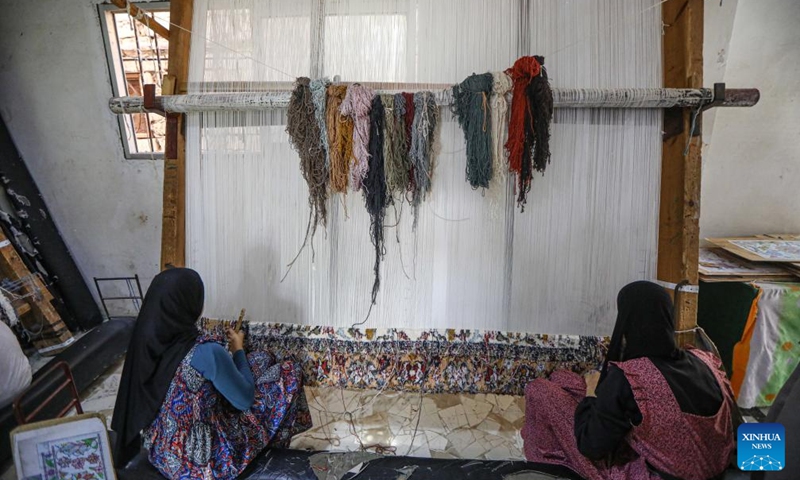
475,260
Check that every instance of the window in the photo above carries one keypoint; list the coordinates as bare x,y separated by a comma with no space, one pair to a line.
136,57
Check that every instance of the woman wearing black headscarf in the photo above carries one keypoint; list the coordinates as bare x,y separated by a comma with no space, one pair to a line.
785,410
197,409
658,411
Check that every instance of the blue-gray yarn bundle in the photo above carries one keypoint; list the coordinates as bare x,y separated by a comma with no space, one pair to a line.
319,96
473,111
426,114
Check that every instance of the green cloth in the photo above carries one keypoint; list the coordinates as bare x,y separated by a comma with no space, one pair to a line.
775,346
722,312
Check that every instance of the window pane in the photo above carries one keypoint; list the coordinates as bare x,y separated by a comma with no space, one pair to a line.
142,59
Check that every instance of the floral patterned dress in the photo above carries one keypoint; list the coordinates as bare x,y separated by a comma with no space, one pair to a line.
199,434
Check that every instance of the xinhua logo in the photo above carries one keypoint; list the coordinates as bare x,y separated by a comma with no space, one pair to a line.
761,446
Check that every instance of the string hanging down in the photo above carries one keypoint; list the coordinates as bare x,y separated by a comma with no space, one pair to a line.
278,97
469,263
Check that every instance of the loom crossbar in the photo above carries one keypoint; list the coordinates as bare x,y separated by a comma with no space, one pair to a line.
562,98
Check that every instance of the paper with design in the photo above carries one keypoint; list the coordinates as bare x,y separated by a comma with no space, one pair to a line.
777,250
715,262
75,448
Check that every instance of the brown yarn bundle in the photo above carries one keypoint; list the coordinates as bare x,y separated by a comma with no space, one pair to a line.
340,139
305,137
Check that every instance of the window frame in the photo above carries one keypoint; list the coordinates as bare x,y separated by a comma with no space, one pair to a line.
116,73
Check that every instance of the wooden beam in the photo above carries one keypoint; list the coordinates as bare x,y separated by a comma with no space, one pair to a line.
255,101
679,216
173,227
143,17
53,334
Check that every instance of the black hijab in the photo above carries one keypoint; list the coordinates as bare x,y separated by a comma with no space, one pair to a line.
164,333
646,324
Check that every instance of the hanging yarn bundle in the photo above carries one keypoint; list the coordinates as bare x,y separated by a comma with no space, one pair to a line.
501,87
426,114
319,89
409,121
305,136
540,97
340,139
356,105
471,107
375,194
395,150
529,126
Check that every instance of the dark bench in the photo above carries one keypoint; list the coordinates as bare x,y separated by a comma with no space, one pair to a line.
280,464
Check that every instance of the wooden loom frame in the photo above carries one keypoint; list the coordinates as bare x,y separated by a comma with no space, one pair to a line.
679,215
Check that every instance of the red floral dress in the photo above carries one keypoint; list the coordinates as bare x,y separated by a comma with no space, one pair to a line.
199,434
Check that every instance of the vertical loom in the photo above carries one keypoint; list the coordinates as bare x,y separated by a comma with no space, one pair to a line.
680,175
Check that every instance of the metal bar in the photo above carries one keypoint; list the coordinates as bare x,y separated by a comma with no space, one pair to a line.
100,293
141,296
109,279
47,400
158,59
562,98
142,85
129,119
741,97
69,381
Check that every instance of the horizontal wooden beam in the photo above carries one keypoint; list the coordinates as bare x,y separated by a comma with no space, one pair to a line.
562,98
143,17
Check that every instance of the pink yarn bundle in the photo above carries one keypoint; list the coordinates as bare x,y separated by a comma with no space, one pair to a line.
356,105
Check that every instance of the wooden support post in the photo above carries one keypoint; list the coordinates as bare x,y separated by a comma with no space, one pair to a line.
173,229
679,217
143,17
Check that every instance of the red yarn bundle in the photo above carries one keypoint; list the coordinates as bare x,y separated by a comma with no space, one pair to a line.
521,125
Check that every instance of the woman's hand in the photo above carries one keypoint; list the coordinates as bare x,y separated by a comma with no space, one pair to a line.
591,379
235,340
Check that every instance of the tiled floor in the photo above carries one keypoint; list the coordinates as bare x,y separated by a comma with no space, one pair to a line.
101,396
479,426
431,425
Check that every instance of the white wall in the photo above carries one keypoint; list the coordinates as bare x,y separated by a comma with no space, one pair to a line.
751,171
54,91
718,27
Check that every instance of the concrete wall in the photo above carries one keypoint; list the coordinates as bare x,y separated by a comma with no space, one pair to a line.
54,90
751,172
